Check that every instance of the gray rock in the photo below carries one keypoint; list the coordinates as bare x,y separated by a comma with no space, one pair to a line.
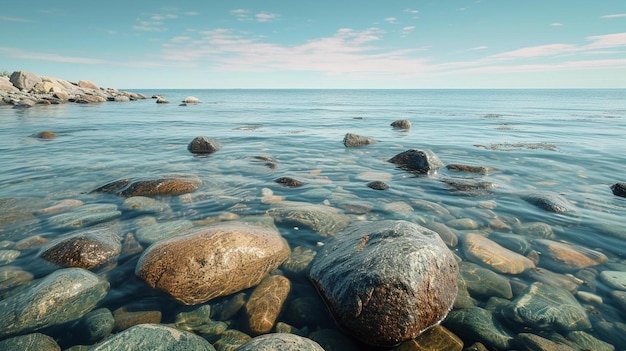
6,85
280,341
191,100
545,307
378,185
418,161
480,325
212,261
24,80
354,140
84,216
85,249
401,124
483,283
619,189
587,341
204,145
325,220
467,168
614,279
396,273
92,328
154,337
532,342
145,204
34,341
549,201
166,185
62,296
290,182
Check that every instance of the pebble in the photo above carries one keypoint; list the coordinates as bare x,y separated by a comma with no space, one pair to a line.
614,279
481,250
266,303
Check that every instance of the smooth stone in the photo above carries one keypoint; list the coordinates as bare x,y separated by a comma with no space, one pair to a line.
280,341
44,135
34,341
514,242
532,342
417,161
11,276
231,340
355,140
619,297
84,216
558,280
397,273
151,232
60,206
162,100
154,337
64,295
307,311
289,182
86,249
145,204
469,185
92,328
190,320
483,283
204,145
378,185
445,233
8,256
587,341
436,338
565,257
481,250
429,206
31,242
468,168
191,100
126,317
401,124
212,261
325,220
619,189
614,279
167,185
463,224
358,207
266,303
614,333
549,201
479,324
538,230
372,175
545,307
226,309
298,261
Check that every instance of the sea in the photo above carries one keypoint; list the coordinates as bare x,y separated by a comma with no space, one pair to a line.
568,142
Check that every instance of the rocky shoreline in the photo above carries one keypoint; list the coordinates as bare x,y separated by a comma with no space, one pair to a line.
24,89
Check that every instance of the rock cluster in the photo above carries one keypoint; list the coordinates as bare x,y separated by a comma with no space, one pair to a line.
25,89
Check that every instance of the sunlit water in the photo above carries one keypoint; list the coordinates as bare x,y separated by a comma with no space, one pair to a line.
566,141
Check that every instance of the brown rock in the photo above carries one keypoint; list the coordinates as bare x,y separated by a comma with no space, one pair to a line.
435,338
266,303
564,257
484,251
86,249
127,317
87,85
45,135
166,185
212,261
203,145
401,124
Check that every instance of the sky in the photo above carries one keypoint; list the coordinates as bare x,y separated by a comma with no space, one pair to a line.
321,44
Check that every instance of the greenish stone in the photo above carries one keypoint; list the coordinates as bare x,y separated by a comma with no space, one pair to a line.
280,342
231,340
532,342
94,326
226,309
325,220
545,307
484,283
8,256
614,279
11,276
557,280
193,319
587,341
62,296
154,337
436,338
34,341
534,230
480,325
84,216
514,242
150,232
549,201
298,261
447,235
145,204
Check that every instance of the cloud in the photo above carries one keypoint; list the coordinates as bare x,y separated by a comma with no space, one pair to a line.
411,11
606,41
557,24
26,55
391,20
408,29
14,19
617,15
265,16
191,13
478,48
536,51
240,14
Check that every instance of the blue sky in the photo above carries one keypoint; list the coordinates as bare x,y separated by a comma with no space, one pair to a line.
320,44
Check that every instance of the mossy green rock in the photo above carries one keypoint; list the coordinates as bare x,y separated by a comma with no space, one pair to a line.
62,296
480,325
34,341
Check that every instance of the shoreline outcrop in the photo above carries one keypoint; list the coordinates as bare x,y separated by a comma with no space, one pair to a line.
24,89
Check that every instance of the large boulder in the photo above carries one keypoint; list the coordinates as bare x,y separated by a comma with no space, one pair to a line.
24,80
386,282
212,261
62,296
6,85
417,161
158,186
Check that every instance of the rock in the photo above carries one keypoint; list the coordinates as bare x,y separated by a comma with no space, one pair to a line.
280,341
290,182
298,261
514,242
325,220
161,186
126,317
619,189
231,340
24,80
191,100
92,328
478,324
396,273
417,161
6,85
435,338
85,84
614,279
162,100
149,231
401,124
463,224
534,230
64,295
121,98
471,169
11,277
212,261
483,251
549,201
84,216
532,342
378,185
203,145
8,256
266,303
447,235
226,309
467,184
85,249
156,337
587,341
34,341
483,283
308,311
564,257
61,95
145,204
45,135
354,140
545,307
60,206
189,320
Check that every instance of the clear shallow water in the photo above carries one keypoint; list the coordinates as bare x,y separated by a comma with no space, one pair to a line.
566,141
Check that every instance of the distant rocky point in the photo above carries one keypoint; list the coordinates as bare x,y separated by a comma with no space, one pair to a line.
25,89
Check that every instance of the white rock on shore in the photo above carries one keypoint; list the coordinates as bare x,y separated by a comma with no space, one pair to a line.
25,89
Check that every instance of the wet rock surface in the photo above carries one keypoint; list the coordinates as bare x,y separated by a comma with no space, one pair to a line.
280,341
418,161
161,186
154,337
325,220
204,145
378,277
355,140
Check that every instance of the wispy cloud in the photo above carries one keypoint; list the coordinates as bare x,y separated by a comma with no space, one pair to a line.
27,55
265,16
247,15
14,19
478,48
391,20
191,13
556,24
155,22
617,15
408,29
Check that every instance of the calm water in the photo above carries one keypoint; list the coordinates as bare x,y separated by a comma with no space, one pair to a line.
566,141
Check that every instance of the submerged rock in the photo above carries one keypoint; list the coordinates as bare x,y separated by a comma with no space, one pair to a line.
325,220
387,281
479,324
619,189
280,341
290,182
84,216
266,303
64,295
418,161
471,169
212,261
378,185
481,250
401,124
549,201
160,186
564,257
34,341
204,145
155,337
354,140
